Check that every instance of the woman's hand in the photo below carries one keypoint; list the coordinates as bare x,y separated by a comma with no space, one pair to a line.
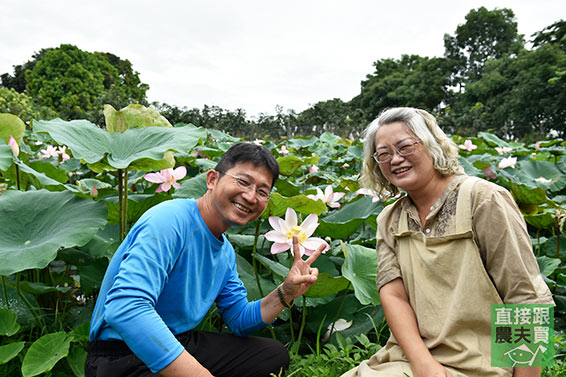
430,368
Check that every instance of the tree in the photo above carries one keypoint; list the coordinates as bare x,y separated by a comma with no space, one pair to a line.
518,97
485,35
77,83
410,81
555,33
22,106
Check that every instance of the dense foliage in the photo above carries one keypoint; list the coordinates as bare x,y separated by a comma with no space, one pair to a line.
70,191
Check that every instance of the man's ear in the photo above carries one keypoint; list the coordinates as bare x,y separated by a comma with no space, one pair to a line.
212,177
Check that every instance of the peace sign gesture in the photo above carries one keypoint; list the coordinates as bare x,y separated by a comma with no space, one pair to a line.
301,276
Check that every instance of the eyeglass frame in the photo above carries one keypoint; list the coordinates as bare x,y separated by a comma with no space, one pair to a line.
391,155
252,186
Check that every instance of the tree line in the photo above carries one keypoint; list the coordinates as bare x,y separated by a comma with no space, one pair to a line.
489,79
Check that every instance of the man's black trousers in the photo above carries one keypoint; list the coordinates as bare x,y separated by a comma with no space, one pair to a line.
224,355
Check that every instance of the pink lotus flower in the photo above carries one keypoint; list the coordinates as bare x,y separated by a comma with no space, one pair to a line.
167,178
329,197
14,145
365,191
468,145
345,165
313,169
537,145
503,150
284,230
49,152
507,163
94,191
283,150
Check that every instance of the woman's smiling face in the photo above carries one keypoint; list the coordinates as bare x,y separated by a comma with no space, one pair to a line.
410,173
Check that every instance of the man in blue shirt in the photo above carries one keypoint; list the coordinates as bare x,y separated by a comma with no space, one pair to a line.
174,264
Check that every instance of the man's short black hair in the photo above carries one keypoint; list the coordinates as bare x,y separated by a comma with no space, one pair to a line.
247,152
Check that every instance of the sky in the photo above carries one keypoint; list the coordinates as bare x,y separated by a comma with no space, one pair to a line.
252,55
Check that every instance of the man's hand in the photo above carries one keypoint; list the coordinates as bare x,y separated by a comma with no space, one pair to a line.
301,276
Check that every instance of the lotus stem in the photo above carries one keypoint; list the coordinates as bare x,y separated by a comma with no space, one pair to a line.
254,251
121,204
339,310
4,291
303,321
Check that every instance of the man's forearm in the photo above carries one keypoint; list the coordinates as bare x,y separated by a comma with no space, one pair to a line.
185,366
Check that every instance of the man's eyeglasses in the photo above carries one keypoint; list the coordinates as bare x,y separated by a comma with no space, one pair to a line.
403,149
261,193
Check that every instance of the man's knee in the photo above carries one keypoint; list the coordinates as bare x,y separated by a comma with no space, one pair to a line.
276,356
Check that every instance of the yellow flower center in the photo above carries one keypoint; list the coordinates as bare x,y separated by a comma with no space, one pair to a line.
297,231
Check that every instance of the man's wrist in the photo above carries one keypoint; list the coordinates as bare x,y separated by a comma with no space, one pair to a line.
282,298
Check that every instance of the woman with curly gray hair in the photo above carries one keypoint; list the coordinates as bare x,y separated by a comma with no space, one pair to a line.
447,250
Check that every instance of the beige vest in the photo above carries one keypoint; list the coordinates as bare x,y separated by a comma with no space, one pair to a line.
451,294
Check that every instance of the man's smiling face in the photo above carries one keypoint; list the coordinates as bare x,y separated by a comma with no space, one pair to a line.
233,205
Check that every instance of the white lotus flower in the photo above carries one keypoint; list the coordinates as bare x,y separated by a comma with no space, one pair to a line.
543,180
284,230
339,325
503,150
329,197
365,191
507,163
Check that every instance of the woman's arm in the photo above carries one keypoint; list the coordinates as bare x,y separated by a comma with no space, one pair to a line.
403,324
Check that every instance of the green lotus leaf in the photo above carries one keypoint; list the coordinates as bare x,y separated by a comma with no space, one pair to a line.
469,167
45,352
244,241
133,116
288,165
137,205
8,323
299,143
40,180
327,285
35,224
6,156
9,351
360,268
40,288
192,188
11,125
492,140
287,188
523,191
276,268
345,221
247,275
91,275
77,360
278,205
86,185
92,144
329,138
547,265
541,220
205,164
50,170
543,174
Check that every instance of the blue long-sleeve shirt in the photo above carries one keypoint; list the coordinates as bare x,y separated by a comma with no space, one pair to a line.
162,281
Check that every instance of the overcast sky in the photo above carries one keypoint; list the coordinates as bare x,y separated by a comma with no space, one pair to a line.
252,55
